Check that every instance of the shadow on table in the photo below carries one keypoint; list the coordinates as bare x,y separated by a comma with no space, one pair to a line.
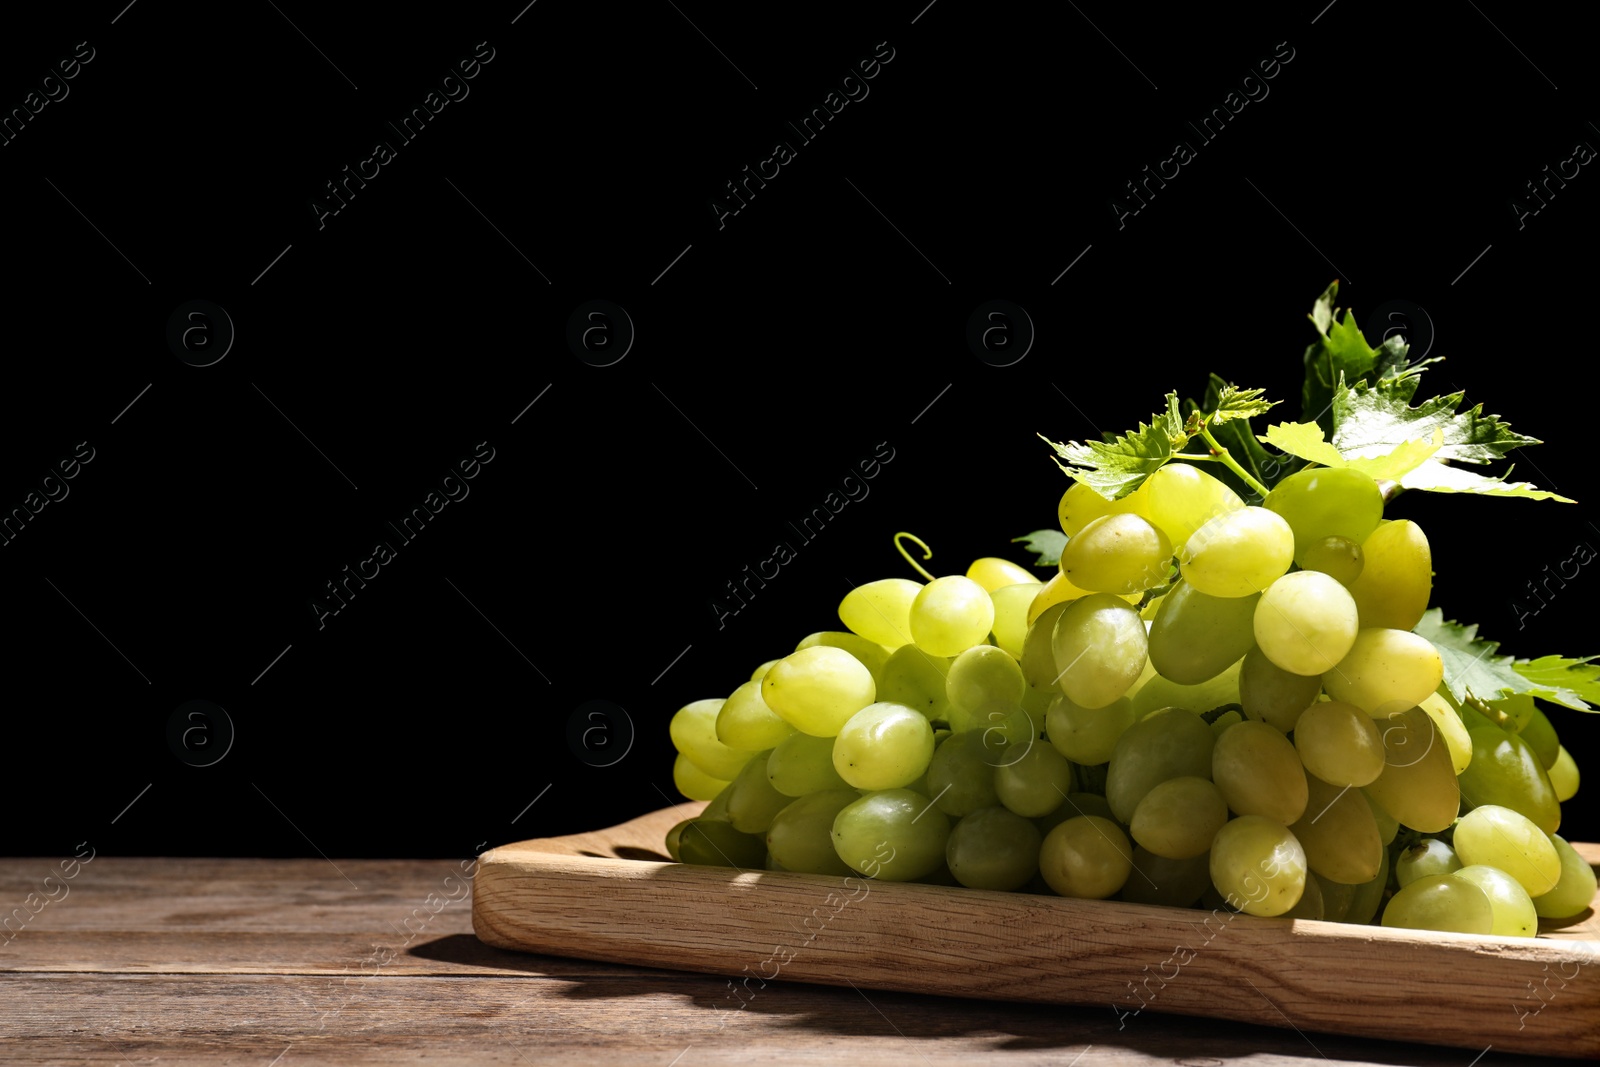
846,1012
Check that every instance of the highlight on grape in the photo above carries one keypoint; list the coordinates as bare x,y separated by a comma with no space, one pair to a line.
1230,690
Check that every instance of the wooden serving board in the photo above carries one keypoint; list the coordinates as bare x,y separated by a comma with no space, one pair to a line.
613,895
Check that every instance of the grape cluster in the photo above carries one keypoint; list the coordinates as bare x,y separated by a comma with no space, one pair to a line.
1212,704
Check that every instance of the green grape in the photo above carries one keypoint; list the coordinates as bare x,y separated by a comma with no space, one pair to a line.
1074,805
1388,825
961,773
817,689
993,573
1450,727
801,764
1385,668
1310,904
1237,553
1510,841
694,783
1086,857
883,746
714,843
761,671
1368,897
1258,866
1443,902
993,848
1418,784
1195,637
1100,648
984,676
1035,782
1505,771
801,835
1117,554
1426,858
1513,910
1336,898
949,615
694,733
1081,505
717,807
1087,735
1564,776
917,680
1338,557
1178,818
674,836
1574,889
1396,576
871,654
1179,498
1327,502
894,834
881,611
1305,622
1339,833
1270,694
1038,656
1541,737
1158,692
1220,724
752,801
1168,743
1011,604
1339,743
1258,773
1172,883
746,723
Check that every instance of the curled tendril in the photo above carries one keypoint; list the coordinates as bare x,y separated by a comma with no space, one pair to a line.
927,553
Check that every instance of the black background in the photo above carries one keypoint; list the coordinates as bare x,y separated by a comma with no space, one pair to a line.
773,352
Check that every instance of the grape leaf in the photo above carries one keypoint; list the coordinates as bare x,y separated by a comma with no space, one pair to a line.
1047,543
1340,354
1115,467
1439,478
1241,443
1235,403
1303,439
1374,419
1572,683
1470,662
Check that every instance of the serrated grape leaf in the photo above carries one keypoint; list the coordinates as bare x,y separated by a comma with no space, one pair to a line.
1372,419
1572,683
1470,662
1439,478
1304,439
1115,467
1047,543
1340,354
1235,403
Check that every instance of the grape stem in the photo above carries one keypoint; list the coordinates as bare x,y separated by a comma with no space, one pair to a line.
927,553
1227,460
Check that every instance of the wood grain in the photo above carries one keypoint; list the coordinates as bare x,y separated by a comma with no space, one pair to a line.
572,896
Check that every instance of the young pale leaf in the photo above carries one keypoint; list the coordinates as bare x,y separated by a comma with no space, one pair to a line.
1572,683
1469,660
1235,403
1115,467
1241,443
1304,439
1047,543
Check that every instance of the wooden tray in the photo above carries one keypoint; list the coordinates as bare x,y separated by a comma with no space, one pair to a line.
611,895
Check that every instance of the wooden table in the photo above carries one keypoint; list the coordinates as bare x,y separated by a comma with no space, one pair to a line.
293,962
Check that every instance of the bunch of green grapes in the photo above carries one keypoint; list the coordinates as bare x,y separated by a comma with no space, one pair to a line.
1211,704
